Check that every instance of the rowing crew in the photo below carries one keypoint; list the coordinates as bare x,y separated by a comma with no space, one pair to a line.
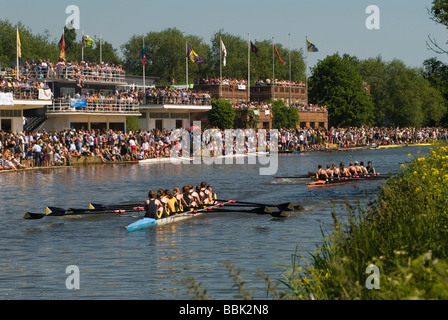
164,203
354,169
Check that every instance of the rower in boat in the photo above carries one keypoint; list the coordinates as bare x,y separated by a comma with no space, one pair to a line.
370,169
336,170
213,196
344,172
195,196
352,169
204,193
321,174
187,197
152,206
329,172
362,168
180,203
171,202
165,212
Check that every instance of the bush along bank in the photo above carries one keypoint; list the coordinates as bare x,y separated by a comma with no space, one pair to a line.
396,247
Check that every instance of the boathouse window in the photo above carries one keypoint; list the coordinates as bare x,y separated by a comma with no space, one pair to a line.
10,113
67,92
180,116
6,125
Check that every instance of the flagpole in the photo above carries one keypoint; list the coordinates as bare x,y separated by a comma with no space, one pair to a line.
144,66
306,70
82,46
17,45
186,61
273,70
290,76
101,48
248,69
220,67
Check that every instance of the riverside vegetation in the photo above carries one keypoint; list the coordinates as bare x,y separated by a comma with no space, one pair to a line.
403,231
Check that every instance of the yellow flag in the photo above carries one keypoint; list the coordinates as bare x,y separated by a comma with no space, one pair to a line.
19,45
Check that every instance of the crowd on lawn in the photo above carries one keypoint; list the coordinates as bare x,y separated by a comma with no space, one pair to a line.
46,149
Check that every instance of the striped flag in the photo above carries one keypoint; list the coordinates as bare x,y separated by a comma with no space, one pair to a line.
62,54
193,55
19,45
311,47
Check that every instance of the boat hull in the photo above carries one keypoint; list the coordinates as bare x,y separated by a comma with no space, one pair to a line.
149,222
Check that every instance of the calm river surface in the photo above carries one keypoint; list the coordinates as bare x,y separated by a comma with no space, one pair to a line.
152,264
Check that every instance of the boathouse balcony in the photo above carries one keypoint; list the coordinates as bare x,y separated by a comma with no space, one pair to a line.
76,73
90,106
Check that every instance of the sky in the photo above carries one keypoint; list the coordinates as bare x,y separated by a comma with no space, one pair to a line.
333,26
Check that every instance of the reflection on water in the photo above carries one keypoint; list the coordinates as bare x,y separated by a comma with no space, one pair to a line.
151,264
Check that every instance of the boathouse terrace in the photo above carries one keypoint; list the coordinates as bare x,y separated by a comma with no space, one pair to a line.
98,106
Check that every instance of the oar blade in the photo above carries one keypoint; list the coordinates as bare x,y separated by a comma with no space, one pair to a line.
33,216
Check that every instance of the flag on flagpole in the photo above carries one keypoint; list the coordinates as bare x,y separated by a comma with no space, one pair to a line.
19,45
193,55
144,54
87,42
254,49
278,55
224,53
62,54
311,47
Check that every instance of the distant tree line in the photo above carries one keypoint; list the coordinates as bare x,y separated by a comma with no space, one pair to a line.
356,92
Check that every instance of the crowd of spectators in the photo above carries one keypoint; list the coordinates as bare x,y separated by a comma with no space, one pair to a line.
322,139
46,149
23,88
176,96
81,71
280,83
268,106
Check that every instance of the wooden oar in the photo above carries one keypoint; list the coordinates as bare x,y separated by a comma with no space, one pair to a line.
59,212
282,207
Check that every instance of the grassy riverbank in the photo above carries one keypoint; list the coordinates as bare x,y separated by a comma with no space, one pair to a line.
404,233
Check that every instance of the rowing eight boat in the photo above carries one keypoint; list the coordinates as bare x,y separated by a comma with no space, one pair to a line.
145,223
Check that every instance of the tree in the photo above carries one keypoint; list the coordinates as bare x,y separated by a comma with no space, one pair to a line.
245,118
283,116
438,13
336,83
222,114
436,73
166,52
401,95
33,46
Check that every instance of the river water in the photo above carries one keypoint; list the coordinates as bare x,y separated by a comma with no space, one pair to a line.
153,264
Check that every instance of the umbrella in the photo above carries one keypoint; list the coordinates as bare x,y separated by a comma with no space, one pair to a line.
194,128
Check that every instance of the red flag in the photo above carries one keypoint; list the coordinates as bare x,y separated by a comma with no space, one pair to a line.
278,55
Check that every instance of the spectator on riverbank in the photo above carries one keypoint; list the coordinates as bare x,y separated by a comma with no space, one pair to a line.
43,148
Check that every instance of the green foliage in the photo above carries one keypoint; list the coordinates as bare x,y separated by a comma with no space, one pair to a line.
403,233
222,114
33,46
337,84
245,118
283,116
39,46
439,12
167,51
132,123
401,95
